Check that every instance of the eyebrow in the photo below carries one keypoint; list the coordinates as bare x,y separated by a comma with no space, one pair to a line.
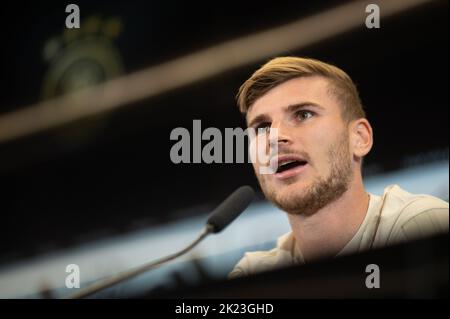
290,108
258,119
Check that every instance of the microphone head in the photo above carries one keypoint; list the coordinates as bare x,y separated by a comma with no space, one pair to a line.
230,208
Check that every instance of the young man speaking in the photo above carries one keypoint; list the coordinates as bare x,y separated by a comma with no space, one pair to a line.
322,138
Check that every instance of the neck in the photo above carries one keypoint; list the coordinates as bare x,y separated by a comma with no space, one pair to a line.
326,232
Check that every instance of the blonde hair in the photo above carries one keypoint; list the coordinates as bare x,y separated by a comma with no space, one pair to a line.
282,69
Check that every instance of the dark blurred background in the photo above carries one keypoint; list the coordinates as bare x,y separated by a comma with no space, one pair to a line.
111,173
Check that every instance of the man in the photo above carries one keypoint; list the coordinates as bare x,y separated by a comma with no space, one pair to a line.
323,136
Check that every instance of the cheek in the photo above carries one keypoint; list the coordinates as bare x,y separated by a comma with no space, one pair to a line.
318,145
252,154
259,151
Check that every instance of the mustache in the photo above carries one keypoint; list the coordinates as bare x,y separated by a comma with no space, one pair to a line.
286,150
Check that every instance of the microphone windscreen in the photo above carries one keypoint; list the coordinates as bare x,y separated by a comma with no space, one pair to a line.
230,208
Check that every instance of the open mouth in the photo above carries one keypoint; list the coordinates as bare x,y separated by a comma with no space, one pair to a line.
289,164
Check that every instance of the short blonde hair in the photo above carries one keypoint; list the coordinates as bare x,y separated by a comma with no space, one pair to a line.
282,69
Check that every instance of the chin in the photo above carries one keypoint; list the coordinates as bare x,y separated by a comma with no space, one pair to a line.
286,193
295,185
289,192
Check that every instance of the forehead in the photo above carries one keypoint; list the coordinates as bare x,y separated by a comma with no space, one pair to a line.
313,89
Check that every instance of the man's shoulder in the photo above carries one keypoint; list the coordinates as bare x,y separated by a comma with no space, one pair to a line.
407,205
413,215
259,261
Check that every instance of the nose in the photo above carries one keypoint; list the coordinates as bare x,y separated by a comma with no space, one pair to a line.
279,135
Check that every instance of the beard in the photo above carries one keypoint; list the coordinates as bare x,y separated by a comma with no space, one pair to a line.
322,191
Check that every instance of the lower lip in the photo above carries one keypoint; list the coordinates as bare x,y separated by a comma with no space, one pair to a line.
291,172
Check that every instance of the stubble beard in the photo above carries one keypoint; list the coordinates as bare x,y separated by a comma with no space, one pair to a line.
322,191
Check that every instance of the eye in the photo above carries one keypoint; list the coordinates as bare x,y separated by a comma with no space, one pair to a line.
262,127
304,115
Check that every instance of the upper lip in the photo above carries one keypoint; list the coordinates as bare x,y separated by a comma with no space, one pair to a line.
277,161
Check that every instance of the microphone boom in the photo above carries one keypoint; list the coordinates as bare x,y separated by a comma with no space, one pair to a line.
220,218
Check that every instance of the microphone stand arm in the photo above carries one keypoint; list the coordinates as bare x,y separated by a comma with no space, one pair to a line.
113,280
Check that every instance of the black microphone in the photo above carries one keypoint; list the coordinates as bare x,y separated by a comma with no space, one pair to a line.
220,218
230,208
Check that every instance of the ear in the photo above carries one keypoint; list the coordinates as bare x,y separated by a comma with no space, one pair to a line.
361,137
